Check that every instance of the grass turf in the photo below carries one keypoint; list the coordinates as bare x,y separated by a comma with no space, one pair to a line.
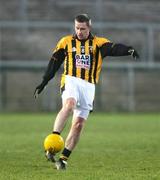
112,147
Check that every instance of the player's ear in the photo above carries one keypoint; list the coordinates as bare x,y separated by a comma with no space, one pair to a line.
90,27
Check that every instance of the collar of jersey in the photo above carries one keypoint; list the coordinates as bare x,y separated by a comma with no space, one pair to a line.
91,36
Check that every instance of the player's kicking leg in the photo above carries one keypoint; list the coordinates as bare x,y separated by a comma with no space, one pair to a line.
71,142
68,106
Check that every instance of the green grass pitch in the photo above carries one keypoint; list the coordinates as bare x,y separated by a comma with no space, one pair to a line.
112,147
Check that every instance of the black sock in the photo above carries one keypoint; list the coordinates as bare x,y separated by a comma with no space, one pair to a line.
56,132
65,154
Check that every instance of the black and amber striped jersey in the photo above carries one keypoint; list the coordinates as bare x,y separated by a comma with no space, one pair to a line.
82,58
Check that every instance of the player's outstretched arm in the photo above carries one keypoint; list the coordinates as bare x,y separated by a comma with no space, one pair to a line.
52,68
47,76
111,49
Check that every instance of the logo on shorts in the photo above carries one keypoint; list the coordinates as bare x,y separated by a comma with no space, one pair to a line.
82,61
89,105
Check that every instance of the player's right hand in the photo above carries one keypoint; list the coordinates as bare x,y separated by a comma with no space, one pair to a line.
39,89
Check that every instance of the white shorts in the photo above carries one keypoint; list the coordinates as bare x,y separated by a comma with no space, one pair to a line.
83,92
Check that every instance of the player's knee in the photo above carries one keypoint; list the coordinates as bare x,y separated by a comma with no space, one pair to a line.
78,125
69,105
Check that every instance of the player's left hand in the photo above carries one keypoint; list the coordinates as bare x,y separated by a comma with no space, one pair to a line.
133,53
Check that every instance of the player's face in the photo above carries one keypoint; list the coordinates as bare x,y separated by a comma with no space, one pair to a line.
82,30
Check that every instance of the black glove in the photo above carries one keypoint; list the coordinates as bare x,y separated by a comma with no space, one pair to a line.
133,53
39,89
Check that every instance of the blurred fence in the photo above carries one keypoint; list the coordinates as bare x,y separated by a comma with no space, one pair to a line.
30,29
122,87
41,37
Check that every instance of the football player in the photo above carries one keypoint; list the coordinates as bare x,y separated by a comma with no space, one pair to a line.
81,54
